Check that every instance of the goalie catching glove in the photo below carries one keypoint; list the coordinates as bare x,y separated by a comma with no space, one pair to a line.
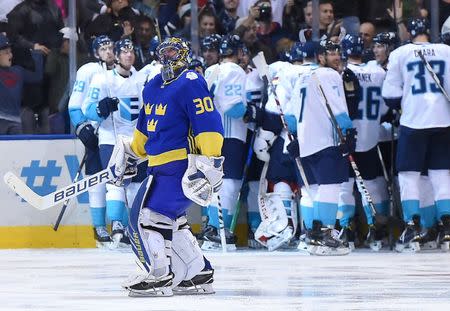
123,160
203,178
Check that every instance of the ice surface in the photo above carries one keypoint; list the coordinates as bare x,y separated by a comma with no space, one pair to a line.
80,279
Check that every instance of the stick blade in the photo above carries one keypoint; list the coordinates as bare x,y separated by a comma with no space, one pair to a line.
18,186
261,65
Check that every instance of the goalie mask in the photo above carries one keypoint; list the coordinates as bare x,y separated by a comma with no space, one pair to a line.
174,54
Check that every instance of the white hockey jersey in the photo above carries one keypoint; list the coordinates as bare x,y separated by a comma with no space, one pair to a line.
315,130
423,104
229,90
371,106
80,91
128,91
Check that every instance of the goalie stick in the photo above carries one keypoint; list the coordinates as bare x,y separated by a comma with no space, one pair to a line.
358,178
263,69
52,199
433,75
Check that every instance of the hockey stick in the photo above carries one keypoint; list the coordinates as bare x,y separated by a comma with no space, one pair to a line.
223,240
52,199
263,70
358,178
243,182
66,203
433,75
389,183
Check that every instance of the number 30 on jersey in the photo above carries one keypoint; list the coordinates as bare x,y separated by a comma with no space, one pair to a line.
203,104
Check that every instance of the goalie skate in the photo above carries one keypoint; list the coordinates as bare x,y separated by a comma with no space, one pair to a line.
149,286
280,239
200,284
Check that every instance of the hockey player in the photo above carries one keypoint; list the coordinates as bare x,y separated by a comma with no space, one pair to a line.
229,98
278,206
383,44
366,120
210,49
114,102
102,48
322,157
182,138
424,139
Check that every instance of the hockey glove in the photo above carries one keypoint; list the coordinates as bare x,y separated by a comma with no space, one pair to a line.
86,133
293,149
349,145
203,178
106,106
254,114
352,91
123,160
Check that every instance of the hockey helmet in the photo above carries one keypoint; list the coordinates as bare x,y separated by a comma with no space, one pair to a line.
418,26
309,49
99,42
195,63
387,38
123,45
230,45
445,38
326,45
296,54
352,45
175,55
211,42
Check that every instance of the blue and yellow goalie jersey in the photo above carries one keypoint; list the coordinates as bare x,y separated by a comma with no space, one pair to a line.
177,118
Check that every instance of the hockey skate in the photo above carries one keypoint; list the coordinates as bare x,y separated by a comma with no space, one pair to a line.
324,241
251,242
374,238
409,240
102,238
444,234
199,285
117,233
280,239
145,285
347,236
211,239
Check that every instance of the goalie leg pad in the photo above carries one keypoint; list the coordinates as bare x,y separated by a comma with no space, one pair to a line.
187,259
278,227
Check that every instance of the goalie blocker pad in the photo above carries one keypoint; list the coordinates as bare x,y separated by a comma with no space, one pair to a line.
202,178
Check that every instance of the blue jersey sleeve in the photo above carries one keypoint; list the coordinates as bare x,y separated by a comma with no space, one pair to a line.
205,120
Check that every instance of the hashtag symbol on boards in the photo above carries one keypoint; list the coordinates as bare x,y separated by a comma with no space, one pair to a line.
45,172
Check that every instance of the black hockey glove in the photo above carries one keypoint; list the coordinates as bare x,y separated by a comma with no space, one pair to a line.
106,106
391,116
349,145
293,149
254,114
86,133
352,91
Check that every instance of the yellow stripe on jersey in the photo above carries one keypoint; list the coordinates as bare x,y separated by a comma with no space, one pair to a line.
192,148
138,143
209,143
166,157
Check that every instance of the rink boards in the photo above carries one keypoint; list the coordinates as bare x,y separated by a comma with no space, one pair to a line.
47,163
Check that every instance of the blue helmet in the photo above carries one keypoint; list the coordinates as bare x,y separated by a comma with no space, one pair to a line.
154,42
387,38
352,45
309,49
99,42
230,45
418,26
326,45
296,54
123,45
445,38
175,55
211,42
